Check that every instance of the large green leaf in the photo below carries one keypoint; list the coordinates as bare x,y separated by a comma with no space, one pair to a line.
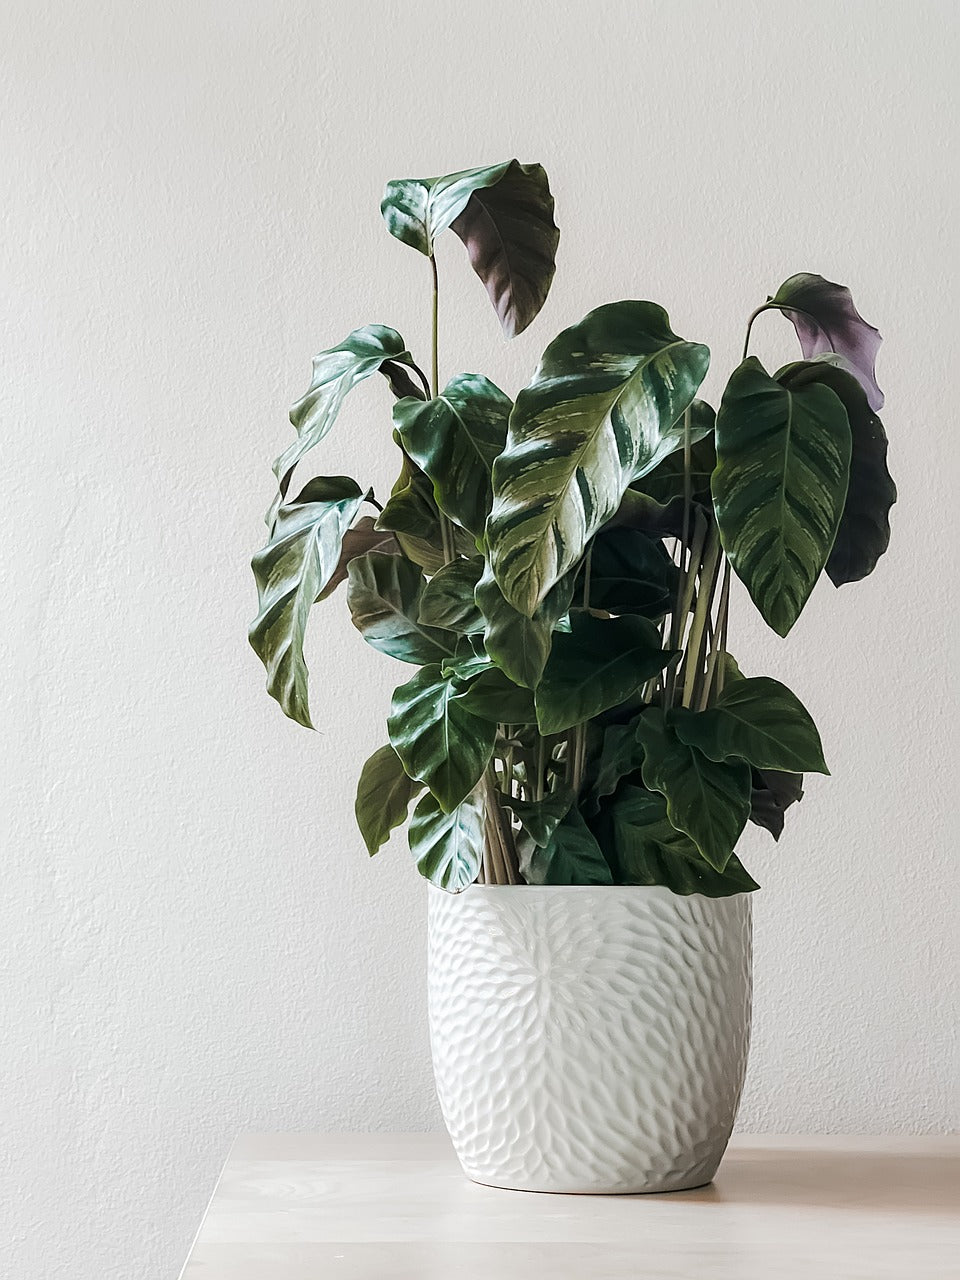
439,741
448,847
335,372
783,461
650,850
601,411
540,818
707,800
493,695
598,665
384,593
571,855
448,601
291,571
629,573
620,755
360,538
517,644
864,531
384,793
758,720
504,216
454,439
772,795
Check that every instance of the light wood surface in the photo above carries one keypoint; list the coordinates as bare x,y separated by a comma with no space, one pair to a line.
396,1207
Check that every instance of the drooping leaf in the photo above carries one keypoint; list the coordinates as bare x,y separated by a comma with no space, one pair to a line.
758,720
601,411
783,460
438,740
401,383
384,594
599,664
864,531
772,794
454,440
384,793
707,800
503,214
291,571
639,511
517,644
650,850
540,818
571,856
447,599
629,573
469,660
826,319
448,847
494,696
335,372
362,537
620,755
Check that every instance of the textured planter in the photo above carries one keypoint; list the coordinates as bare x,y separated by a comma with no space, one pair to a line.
589,1039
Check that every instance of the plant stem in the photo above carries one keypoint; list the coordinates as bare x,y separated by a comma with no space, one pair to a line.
759,311
580,732
679,623
541,765
693,661
714,677
434,352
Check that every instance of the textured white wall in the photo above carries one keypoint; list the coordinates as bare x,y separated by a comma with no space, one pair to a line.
193,940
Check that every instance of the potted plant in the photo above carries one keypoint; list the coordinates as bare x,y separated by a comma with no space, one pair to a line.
581,748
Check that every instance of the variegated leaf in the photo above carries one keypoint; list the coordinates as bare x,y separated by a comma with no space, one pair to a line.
448,847
604,407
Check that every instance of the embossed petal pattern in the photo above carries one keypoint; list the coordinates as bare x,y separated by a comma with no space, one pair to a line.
589,1039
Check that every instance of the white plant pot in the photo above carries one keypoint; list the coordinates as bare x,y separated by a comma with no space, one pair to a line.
589,1039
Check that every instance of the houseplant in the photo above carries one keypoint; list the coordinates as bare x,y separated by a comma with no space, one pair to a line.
583,750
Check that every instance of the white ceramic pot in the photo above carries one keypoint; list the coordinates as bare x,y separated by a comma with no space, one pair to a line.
589,1039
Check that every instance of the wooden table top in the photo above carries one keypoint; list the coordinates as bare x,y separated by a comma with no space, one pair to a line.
397,1207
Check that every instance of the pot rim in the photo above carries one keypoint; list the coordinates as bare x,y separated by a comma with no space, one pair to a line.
531,889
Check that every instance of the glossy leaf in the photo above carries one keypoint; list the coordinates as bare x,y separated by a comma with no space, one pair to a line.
384,793
620,755
439,741
571,856
540,818
494,696
707,800
362,537
454,439
826,319
629,573
384,594
335,373
783,460
291,571
447,599
448,847
758,720
599,664
502,213
665,482
864,531
517,644
650,850
601,411
772,794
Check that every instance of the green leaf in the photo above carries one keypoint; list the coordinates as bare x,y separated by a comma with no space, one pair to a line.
598,665
383,797
629,573
864,531
448,847
447,599
540,818
650,850
571,856
758,720
665,482
384,594
783,461
517,644
439,741
494,696
601,411
638,511
772,795
454,440
620,755
708,801
335,372
291,571
503,214
362,537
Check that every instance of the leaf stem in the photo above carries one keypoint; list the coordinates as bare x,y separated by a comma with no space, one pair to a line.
580,732
753,315
713,683
435,333
693,662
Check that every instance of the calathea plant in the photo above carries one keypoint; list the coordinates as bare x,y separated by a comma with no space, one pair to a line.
557,568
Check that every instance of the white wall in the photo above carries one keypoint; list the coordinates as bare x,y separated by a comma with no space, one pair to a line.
193,939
